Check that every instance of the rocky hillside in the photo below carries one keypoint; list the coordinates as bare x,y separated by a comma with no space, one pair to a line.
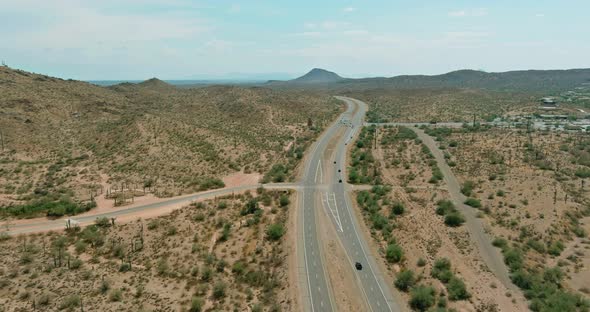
70,138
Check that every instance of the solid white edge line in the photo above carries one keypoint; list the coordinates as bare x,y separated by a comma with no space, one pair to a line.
305,253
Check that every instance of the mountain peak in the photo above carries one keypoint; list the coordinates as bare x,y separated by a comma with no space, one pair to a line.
318,75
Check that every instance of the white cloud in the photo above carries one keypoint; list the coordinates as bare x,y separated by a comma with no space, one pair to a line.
540,15
349,9
477,12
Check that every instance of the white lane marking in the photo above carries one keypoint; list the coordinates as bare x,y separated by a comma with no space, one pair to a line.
319,171
334,214
337,213
305,255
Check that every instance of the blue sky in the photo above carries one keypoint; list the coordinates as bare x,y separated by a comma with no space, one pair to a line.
179,39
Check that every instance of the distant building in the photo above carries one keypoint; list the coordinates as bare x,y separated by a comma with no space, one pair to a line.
548,103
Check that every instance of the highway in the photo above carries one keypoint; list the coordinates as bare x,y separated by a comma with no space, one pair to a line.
323,183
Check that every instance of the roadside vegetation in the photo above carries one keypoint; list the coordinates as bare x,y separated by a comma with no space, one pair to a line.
213,255
384,212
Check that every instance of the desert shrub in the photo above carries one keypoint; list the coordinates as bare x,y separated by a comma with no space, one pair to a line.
394,253
555,248
536,245
278,173
500,242
475,203
125,267
116,295
379,221
467,188
553,275
196,304
583,173
457,290
219,290
70,302
513,258
444,207
238,268
284,200
454,219
275,231
102,222
250,208
76,264
162,267
405,280
398,208
440,268
422,298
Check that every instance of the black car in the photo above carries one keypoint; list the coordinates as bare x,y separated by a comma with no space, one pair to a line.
358,266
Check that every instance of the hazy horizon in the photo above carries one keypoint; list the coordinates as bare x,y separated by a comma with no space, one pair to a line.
185,39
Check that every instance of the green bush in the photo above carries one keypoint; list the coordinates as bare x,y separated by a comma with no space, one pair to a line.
275,231
457,290
467,188
405,280
444,207
475,203
513,258
422,298
556,248
454,219
196,305
284,200
398,208
219,290
500,242
394,253
70,302
440,266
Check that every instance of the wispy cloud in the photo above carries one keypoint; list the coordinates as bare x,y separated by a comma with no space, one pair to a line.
349,9
540,15
477,12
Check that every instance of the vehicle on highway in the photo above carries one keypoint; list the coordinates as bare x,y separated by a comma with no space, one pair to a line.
358,266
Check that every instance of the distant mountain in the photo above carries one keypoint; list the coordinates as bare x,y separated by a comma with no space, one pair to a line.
318,75
525,80
154,83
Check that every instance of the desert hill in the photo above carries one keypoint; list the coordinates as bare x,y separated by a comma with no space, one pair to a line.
318,75
69,139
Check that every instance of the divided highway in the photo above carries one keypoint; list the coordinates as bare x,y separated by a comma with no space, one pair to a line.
324,183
